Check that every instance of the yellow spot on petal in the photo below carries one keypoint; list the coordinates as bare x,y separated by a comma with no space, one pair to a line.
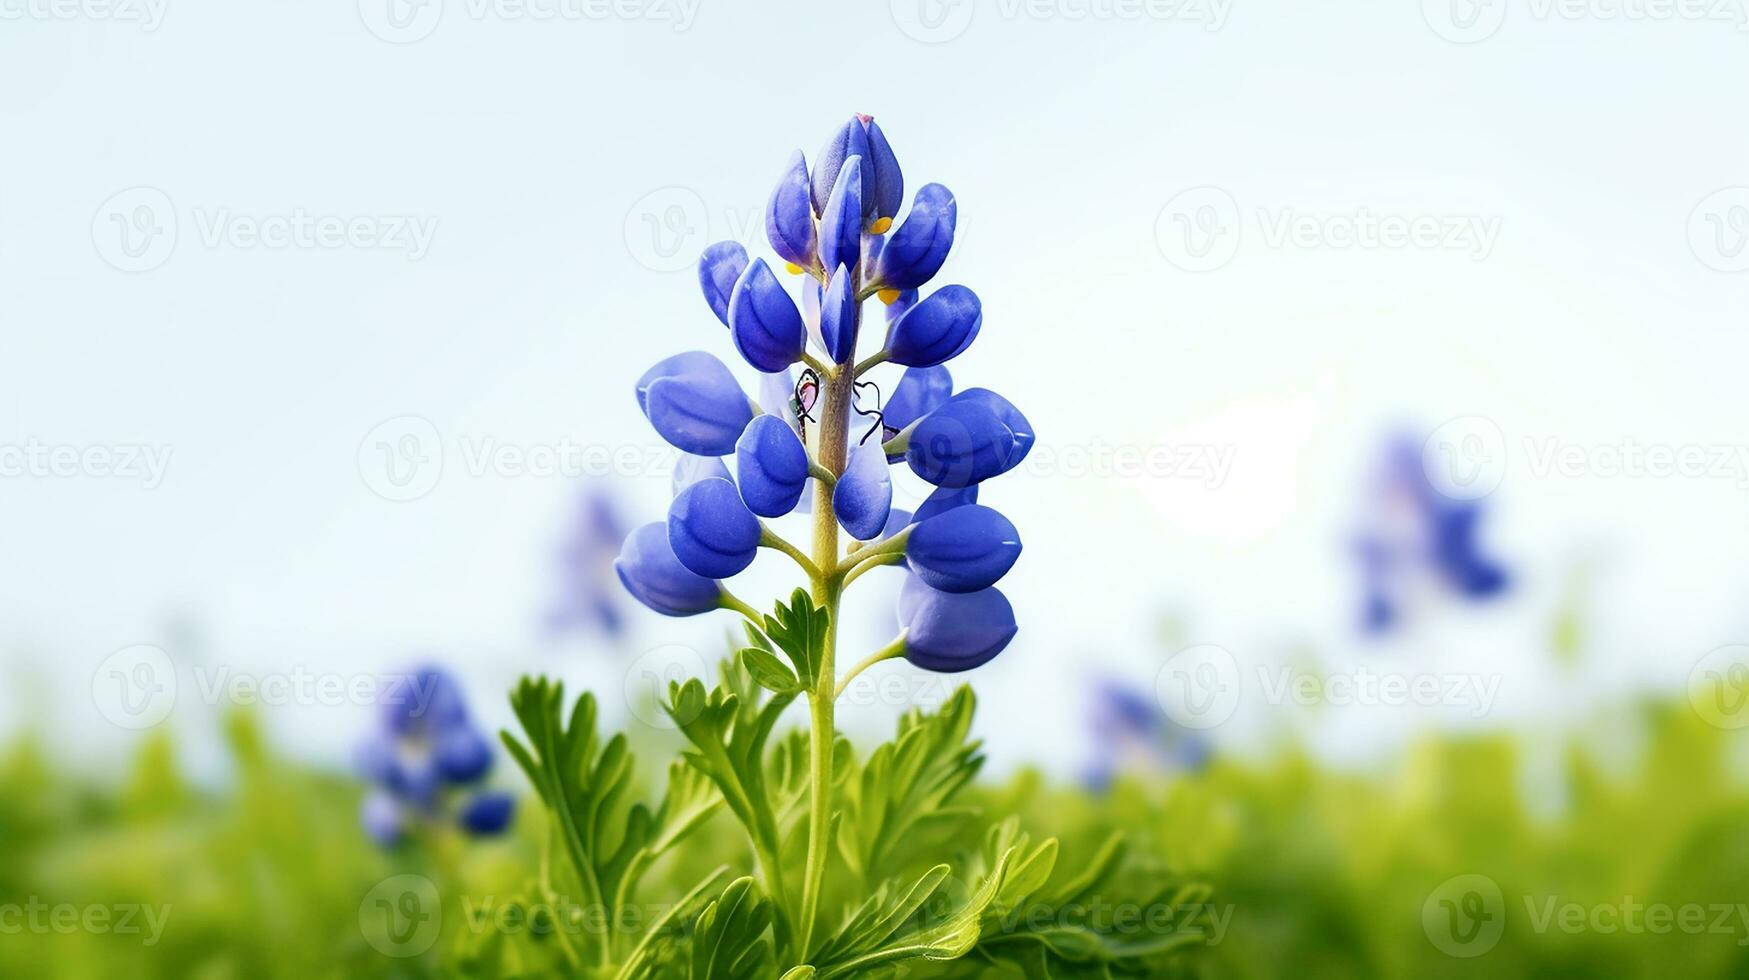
880,226
794,270
887,296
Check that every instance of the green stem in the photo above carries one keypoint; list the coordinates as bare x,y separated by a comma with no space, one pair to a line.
888,652
770,539
731,601
870,361
862,568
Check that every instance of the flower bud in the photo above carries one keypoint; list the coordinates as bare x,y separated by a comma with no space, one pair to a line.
711,530
718,268
939,328
838,318
772,466
789,219
694,403
487,814
653,574
919,392
764,322
975,436
916,251
841,224
690,469
462,755
965,549
851,141
863,498
951,632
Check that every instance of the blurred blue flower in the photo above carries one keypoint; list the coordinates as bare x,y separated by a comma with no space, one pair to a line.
423,762
1132,734
1414,539
588,596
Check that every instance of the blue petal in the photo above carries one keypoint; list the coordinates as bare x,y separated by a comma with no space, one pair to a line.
945,499
940,327
789,219
711,530
901,305
424,700
897,521
960,444
950,632
651,572
886,183
487,814
718,268
850,141
690,469
772,465
838,318
462,755
919,392
917,249
863,497
695,403
764,322
1004,410
841,225
963,550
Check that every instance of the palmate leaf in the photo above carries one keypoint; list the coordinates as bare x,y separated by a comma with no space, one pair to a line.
908,781
730,940
799,630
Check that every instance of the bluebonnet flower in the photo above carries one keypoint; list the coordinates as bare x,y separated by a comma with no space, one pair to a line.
1131,733
1415,539
425,763
588,596
826,436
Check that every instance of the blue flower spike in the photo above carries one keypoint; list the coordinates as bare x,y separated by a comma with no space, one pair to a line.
789,218
952,632
863,498
841,224
772,465
838,318
914,254
965,549
763,320
939,328
718,268
711,530
695,404
653,574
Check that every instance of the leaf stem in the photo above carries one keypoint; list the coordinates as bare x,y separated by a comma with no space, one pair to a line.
771,539
888,652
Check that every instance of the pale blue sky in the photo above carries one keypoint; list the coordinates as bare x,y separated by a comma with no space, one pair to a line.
539,154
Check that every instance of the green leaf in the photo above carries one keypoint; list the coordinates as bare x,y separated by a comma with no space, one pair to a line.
729,940
948,938
769,671
800,630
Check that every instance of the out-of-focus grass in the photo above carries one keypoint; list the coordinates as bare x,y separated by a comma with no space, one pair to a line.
1322,872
